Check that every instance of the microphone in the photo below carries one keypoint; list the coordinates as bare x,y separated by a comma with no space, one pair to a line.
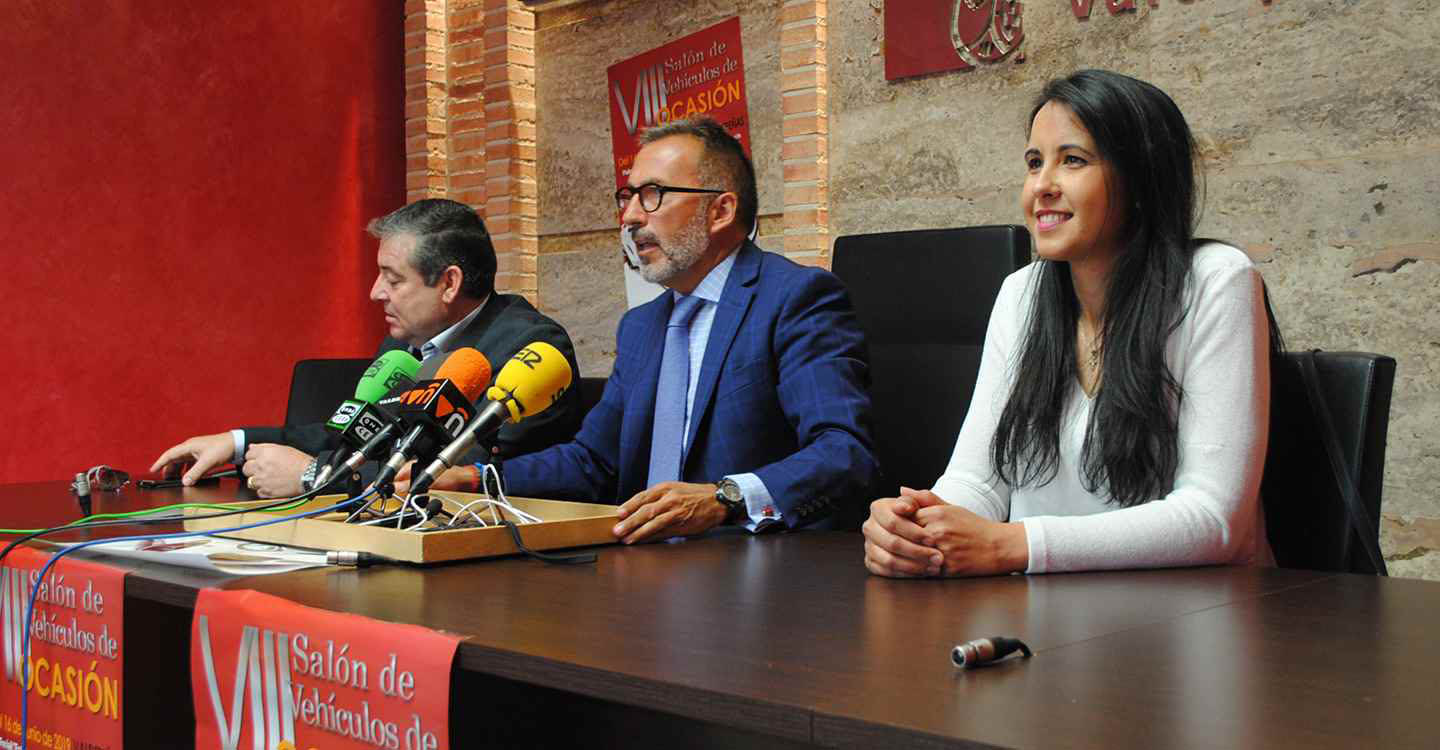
436,411
358,420
536,377
982,651
362,424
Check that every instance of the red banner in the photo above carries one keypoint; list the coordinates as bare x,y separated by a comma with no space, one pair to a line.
701,74
76,659
262,665
929,36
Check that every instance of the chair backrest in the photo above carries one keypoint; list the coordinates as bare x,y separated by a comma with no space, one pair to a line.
923,299
317,386
1307,519
591,389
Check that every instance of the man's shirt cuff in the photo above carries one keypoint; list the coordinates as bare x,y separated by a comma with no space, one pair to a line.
239,437
758,502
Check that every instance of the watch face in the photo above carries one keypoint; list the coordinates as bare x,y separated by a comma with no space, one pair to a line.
730,491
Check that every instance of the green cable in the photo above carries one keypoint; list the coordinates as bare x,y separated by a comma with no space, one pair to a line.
82,522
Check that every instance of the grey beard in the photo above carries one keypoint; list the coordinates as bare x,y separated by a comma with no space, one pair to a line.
682,252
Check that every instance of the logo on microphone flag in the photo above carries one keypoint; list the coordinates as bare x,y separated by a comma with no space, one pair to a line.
345,413
441,400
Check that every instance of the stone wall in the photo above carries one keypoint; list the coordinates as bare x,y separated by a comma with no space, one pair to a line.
1316,121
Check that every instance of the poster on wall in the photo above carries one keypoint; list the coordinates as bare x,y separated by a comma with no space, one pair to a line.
931,36
267,672
76,656
700,74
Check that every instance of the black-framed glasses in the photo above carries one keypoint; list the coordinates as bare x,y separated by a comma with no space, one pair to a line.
652,194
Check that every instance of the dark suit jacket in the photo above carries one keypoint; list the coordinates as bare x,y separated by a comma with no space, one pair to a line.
506,323
783,393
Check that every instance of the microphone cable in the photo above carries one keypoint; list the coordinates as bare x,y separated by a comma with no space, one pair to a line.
26,677
133,518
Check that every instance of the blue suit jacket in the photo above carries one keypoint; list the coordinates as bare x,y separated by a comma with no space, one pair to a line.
783,393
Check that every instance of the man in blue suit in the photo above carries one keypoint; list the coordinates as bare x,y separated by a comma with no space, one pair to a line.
739,396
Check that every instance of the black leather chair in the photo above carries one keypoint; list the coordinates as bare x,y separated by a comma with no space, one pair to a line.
591,389
317,386
1309,522
923,299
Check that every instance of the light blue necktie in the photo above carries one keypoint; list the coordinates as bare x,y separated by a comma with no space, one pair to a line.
667,442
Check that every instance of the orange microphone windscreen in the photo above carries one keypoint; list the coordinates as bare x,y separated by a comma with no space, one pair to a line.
469,370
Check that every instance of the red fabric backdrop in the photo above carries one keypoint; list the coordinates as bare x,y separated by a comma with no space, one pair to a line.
185,190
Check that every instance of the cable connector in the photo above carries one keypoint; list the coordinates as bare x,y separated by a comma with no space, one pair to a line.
982,651
81,488
349,558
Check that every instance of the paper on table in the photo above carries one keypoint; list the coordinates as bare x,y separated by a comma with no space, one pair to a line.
229,556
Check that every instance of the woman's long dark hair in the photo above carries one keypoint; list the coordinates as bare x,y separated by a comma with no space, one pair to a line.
1141,134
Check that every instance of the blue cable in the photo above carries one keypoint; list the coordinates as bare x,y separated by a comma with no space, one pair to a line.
25,685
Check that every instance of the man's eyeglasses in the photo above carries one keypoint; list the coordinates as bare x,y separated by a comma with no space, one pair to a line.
651,195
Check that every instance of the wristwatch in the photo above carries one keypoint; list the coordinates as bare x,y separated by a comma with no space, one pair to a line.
729,495
307,477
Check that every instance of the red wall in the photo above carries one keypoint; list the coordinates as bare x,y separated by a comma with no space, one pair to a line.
183,193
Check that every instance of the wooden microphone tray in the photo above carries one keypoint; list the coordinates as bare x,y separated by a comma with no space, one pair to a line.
563,524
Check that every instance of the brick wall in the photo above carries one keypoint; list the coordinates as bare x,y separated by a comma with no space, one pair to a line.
804,153
512,205
470,121
426,106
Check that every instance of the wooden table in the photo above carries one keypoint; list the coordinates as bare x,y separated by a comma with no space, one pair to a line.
785,640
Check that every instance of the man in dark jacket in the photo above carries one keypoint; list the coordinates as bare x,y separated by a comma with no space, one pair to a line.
436,283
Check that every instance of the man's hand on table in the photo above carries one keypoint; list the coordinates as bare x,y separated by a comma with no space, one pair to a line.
669,509
200,453
274,470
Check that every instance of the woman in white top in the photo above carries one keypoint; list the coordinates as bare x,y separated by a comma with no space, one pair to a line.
1120,415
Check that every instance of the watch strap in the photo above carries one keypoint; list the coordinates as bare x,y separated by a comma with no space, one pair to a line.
735,510
307,478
